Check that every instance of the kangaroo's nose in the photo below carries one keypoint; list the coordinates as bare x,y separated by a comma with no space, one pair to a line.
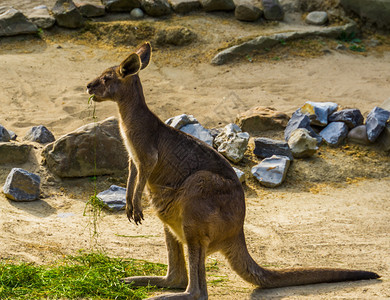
89,85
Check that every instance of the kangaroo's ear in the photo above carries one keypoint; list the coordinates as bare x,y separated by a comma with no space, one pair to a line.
130,66
145,53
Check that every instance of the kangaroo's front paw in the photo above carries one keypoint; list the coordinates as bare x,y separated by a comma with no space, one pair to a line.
138,216
129,211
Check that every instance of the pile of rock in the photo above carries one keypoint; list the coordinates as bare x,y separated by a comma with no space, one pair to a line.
323,122
74,154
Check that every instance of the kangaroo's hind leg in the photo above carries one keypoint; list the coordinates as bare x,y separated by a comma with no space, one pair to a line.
177,273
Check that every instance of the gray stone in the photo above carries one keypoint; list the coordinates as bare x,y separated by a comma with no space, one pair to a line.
246,11
351,117
299,120
198,131
12,135
22,185
273,11
67,15
272,171
358,135
341,47
317,18
376,122
39,134
175,35
121,5
216,5
265,147
4,134
114,198
184,6
384,138
41,17
13,22
93,149
181,120
335,133
269,41
302,144
156,8
14,153
90,10
374,11
259,119
240,174
318,112
232,142
137,13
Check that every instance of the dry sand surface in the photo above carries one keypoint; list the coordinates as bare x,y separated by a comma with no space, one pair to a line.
333,210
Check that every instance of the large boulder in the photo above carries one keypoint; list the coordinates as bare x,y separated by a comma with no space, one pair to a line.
374,11
215,5
232,142
22,185
13,22
121,5
67,15
41,17
93,149
14,153
260,118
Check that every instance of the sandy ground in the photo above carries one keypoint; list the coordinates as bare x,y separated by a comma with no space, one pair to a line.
333,210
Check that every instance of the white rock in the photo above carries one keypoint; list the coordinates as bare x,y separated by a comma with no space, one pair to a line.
302,144
317,18
272,171
232,142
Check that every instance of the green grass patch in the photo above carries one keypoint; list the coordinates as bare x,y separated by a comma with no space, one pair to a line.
87,275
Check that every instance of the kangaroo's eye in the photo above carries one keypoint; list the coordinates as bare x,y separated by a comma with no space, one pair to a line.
106,78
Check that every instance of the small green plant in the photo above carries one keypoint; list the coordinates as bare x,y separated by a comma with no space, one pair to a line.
355,44
84,276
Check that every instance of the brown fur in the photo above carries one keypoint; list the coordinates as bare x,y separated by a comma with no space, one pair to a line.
194,191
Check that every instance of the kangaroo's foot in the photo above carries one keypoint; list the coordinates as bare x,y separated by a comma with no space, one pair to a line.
159,281
179,296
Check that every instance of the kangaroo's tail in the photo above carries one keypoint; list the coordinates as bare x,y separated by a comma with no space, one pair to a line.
248,269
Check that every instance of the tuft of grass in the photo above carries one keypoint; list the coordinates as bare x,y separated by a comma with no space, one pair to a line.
87,275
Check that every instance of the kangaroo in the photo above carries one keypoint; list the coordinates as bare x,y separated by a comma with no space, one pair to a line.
194,191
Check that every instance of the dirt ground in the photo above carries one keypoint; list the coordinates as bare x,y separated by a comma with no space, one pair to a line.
332,211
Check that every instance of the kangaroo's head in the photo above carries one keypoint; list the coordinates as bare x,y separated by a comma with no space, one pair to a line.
116,81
